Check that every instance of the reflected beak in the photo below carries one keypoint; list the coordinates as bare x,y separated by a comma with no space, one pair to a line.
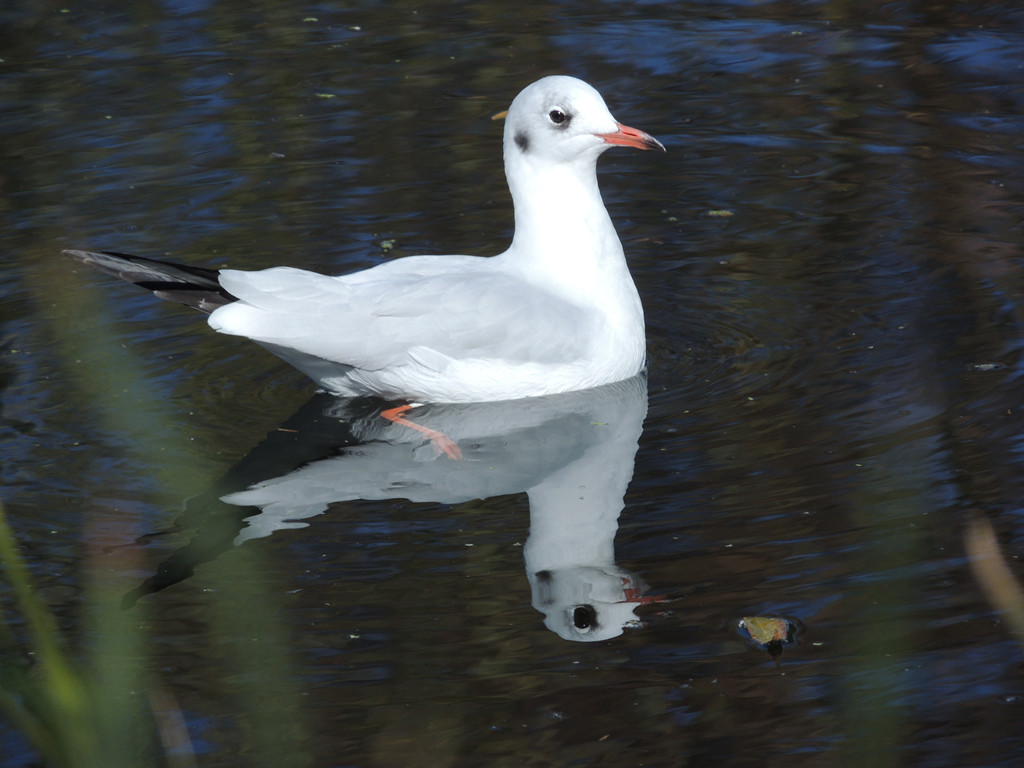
631,137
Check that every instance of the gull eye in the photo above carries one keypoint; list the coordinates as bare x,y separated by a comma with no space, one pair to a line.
558,117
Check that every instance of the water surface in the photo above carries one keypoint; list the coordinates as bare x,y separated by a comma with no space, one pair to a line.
830,259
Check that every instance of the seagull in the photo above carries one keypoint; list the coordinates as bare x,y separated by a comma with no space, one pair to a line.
556,312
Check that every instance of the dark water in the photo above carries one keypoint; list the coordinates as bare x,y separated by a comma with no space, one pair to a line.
830,257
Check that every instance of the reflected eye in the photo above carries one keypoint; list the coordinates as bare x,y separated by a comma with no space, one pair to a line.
558,117
584,616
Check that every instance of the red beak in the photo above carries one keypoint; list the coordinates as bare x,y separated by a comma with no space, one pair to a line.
631,137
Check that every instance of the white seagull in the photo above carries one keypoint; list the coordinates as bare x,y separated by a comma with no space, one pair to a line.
556,312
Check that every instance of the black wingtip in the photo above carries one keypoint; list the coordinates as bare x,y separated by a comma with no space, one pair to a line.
196,287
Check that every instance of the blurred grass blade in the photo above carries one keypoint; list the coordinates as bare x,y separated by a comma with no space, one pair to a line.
997,581
50,703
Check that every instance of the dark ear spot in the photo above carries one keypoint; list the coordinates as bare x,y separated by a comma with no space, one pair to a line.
522,140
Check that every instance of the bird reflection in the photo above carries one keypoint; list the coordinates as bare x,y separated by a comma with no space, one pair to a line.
572,454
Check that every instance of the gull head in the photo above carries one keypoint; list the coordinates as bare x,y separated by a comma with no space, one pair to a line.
561,119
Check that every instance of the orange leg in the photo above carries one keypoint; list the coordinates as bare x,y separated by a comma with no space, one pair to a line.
439,440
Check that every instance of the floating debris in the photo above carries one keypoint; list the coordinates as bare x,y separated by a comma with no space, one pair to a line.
769,633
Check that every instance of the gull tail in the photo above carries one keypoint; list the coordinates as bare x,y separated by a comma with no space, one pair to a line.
196,287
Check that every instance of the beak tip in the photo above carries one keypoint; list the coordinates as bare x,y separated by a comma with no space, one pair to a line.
632,137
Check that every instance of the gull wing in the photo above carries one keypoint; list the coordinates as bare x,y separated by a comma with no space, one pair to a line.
424,312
